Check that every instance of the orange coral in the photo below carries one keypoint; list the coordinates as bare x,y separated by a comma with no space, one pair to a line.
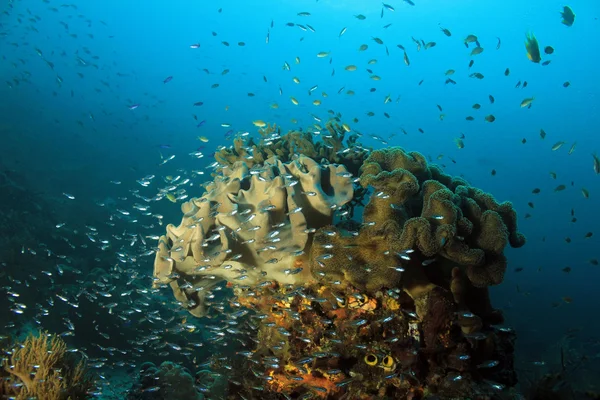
363,303
322,386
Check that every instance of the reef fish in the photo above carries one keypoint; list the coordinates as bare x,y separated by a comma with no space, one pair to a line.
533,48
568,16
596,163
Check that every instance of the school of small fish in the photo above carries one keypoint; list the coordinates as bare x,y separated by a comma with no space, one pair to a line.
129,234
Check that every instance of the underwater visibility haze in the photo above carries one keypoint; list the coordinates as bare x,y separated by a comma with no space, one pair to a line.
299,199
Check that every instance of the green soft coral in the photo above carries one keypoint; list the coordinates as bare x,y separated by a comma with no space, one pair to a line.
362,261
416,207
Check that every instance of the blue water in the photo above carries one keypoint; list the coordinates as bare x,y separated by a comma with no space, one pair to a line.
79,135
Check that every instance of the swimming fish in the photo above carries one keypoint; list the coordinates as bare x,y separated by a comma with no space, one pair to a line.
527,102
533,48
596,163
557,145
568,16
477,50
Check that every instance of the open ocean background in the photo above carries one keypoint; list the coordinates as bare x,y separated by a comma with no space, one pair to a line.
80,136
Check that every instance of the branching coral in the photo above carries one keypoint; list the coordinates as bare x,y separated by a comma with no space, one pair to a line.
40,368
251,226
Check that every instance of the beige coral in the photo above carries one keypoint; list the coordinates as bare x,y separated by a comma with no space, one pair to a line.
334,146
252,225
38,368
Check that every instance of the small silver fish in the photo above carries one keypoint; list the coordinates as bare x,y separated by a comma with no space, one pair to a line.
488,364
359,322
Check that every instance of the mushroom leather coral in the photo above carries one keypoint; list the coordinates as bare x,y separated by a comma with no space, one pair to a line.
418,226
251,225
439,215
362,261
331,147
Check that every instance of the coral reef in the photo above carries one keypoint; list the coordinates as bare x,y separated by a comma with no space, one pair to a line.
333,343
251,226
393,306
419,225
330,149
41,368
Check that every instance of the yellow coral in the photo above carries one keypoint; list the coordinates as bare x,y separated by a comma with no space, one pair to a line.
249,227
35,370
392,304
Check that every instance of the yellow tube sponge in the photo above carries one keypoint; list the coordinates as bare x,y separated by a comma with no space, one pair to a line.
251,226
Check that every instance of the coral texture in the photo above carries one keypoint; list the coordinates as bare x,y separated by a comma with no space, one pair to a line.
330,149
417,213
333,342
40,368
251,226
393,306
